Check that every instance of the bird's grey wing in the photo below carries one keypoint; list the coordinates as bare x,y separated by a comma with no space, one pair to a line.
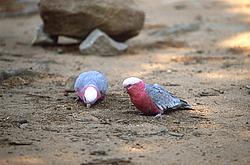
92,77
80,81
161,97
102,83
86,78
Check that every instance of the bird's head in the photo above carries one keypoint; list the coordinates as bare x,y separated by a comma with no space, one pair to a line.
90,95
130,82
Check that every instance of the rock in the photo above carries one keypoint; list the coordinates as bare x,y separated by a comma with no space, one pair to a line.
211,92
197,134
205,94
174,30
119,19
60,51
6,74
99,153
23,121
42,38
22,126
69,86
98,43
180,6
176,134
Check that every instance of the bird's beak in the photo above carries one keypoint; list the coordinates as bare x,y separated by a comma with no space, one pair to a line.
88,105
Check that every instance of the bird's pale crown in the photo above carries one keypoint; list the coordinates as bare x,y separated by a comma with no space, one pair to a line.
131,81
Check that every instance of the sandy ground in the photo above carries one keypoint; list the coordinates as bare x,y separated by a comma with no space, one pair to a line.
208,66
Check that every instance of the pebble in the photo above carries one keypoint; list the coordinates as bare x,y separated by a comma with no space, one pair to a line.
176,134
99,153
197,134
22,126
99,43
60,51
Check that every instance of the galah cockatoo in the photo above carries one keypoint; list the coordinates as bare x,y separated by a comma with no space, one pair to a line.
152,99
91,86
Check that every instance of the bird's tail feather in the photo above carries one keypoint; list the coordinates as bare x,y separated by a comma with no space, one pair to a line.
185,105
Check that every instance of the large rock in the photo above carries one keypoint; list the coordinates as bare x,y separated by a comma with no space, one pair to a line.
120,19
98,43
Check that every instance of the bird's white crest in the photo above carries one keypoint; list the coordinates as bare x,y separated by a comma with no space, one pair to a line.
90,94
131,81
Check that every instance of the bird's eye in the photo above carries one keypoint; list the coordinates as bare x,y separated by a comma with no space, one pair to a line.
128,86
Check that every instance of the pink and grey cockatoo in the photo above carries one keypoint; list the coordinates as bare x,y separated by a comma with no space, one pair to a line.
152,99
91,86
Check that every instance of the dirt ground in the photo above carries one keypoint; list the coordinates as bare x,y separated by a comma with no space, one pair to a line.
207,65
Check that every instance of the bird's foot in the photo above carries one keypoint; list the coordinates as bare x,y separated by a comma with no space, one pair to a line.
77,99
158,116
88,105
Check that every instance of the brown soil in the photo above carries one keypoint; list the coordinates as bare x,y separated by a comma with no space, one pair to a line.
208,67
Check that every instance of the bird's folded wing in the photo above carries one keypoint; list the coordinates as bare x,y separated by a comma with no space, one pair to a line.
161,97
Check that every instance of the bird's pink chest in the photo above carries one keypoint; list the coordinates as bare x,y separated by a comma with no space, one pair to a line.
143,102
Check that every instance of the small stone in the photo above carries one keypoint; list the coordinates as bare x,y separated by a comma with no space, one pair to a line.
22,126
199,51
199,71
42,38
23,121
69,108
69,84
176,122
176,134
99,153
169,71
74,139
219,146
60,51
98,43
174,30
209,93
197,134
180,6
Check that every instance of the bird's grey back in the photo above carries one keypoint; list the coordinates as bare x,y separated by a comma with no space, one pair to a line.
161,97
92,77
